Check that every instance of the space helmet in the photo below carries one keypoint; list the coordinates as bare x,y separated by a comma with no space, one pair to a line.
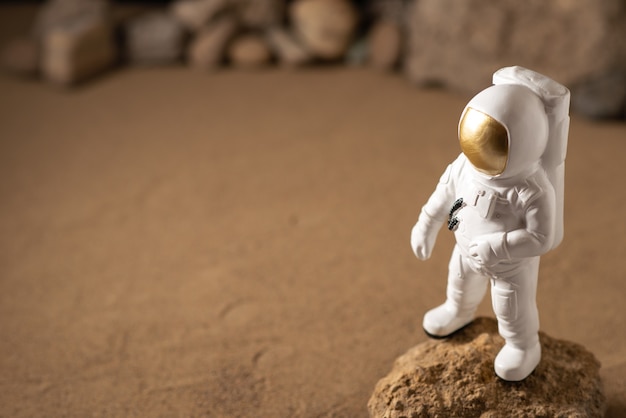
503,130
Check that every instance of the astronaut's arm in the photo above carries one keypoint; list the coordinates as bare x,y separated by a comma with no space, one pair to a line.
432,216
533,240
536,238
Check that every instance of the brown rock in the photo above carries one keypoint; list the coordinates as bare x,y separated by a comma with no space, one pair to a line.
393,10
154,38
207,50
454,377
61,13
325,27
461,44
260,13
385,45
77,51
249,51
195,14
284,45
21,56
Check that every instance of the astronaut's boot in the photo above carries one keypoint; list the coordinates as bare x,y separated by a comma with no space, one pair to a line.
514,363
444,320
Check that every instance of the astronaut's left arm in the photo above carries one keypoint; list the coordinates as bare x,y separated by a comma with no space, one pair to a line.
534,239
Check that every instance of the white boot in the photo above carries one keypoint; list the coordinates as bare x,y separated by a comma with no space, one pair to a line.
514,364
444,320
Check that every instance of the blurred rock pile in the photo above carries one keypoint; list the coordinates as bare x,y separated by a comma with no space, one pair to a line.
73,40
580,43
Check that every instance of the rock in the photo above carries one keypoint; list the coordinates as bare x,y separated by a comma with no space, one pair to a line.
325,27
461,44
284,45
255,14
21,56
77,51
385,45
390,10
61,13
76,39
260,13
207,50
249,51
195,14
454,377
601,97
154,38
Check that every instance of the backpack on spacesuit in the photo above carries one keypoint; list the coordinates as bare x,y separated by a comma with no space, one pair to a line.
556,99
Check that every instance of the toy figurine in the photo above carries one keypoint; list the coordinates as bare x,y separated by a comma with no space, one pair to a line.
503,199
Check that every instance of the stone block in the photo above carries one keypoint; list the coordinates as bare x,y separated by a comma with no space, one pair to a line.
77,51
154,38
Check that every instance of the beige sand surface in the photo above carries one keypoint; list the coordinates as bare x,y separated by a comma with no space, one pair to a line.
174,243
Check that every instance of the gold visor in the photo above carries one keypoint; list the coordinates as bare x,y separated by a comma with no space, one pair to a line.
484,141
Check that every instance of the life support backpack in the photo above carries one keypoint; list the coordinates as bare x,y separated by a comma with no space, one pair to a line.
556,98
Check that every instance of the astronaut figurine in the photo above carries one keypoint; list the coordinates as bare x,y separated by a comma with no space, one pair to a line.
503,199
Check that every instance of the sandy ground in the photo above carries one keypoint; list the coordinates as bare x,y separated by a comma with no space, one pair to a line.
174,243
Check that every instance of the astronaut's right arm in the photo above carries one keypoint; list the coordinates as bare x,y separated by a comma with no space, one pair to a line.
434,213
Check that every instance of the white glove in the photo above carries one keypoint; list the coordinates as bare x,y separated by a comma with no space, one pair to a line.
424,235
489,250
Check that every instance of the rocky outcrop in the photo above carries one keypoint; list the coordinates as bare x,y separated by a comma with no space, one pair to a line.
454,377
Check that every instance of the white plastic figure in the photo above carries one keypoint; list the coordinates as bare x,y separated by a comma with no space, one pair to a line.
503,198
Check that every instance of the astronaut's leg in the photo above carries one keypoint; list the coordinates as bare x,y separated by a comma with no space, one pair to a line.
515,307
466,289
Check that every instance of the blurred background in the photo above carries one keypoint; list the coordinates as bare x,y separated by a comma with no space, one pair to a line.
578,42
205,205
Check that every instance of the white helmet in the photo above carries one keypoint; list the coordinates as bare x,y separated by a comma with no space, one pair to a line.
503,130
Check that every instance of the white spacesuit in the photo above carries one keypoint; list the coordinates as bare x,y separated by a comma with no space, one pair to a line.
503,198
